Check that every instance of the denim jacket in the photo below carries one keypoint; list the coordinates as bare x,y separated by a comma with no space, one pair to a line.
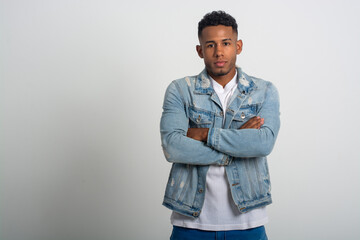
192,102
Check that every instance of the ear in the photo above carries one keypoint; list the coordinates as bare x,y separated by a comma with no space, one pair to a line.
239,45
199,51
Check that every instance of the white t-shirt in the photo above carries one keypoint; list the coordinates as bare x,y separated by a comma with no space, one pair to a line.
219,212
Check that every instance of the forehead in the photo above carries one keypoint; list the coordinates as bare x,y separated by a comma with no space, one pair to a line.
216,33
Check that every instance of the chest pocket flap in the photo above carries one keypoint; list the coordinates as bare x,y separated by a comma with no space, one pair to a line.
199,117
245,113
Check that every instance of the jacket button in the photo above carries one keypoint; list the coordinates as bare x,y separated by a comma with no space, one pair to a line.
226,162
195,214
221,113
242,115
200,190
198,119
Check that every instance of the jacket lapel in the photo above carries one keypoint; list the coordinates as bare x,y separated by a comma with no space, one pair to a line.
203,86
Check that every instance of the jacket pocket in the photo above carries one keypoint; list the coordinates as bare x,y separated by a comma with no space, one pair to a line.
243,115
200,118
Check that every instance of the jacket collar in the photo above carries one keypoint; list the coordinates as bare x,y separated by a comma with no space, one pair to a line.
203,83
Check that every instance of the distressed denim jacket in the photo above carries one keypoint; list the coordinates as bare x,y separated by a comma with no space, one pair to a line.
192,102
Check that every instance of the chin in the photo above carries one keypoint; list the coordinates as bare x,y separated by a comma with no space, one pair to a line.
221,73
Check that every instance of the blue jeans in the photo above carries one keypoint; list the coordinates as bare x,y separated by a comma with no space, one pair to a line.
180,233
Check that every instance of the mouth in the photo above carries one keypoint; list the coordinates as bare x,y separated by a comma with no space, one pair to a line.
220,63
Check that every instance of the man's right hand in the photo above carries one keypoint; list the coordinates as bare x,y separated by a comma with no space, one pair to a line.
255,122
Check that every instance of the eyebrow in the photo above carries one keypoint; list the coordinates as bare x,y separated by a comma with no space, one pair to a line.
226,39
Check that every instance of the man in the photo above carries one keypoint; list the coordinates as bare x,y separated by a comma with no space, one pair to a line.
217,129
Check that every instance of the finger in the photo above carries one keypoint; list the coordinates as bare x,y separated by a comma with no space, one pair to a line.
261,123
253,122
252,125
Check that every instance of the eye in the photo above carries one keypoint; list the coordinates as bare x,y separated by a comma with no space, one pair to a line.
210,46
226,43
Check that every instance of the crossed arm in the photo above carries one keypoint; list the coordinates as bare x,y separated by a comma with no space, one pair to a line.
205,146
201,134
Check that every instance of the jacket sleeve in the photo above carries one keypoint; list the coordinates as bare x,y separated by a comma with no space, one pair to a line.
251,142
177,147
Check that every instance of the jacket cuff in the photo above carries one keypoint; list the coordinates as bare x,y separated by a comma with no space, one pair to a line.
213,137
213,142
226,160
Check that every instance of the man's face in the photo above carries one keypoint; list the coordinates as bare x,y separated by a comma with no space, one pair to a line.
219,47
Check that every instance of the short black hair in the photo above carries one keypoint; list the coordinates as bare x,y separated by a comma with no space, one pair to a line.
217,18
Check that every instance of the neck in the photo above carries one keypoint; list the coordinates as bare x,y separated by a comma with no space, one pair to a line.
224,79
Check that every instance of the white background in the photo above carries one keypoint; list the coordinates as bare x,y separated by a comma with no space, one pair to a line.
81,90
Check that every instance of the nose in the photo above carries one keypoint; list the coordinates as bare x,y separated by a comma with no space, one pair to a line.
219,50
